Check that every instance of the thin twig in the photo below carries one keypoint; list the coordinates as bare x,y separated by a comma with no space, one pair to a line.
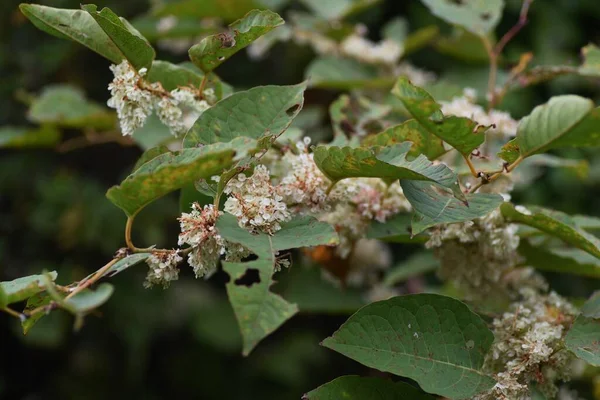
91,139
13,313
89,282
471,166
508,36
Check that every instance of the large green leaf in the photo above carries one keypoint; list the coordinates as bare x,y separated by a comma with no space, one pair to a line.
344,73
423,141
389,163
76,25
352,387
46,135
67,106
212,51
433,206
433,339
570,261
554,223
22,288
261,112
477,16
461,133
564,121
132,45
583,339
171,76
259,311
591,308
173,170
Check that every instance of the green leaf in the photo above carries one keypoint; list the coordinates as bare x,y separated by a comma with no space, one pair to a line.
22,137
149,155
261,112
324,297
591,61
22,288
565,121
132,45
461,133
423,141
570,261
583,339
395,230
39,300
76,25
353,116
389,163
477,16
259,311
67,106
463,45
415,265
172,76
420,38
554,223
212,51
332,72
433,206
126,263
88,300
591,308
173,170
338,9
432,339
229,10
352,387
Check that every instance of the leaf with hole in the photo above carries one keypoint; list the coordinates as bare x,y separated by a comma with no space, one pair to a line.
477,16
352,387
259,311
463,134
432,339
432,205
213,50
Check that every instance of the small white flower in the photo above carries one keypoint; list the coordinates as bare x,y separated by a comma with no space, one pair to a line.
162,268
255,202
384,52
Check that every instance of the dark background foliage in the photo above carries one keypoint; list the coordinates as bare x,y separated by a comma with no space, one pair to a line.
183,342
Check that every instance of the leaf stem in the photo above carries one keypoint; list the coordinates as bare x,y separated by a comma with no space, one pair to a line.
490,177
471,166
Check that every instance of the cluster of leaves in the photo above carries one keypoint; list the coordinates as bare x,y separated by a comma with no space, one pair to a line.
432,339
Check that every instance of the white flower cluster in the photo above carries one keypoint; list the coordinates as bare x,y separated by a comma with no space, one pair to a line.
358,47
465,106
528,347
374,199
304,187
477,256
199,232
163,268
255,202
135,99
